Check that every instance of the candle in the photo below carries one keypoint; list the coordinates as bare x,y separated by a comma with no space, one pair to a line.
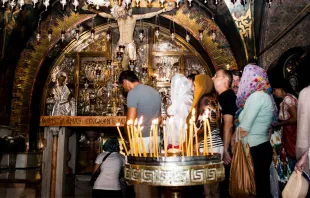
141,138
186,145
181,134
133,138
129,136
136,138
151,139
156,137
191,138
165,138
172,132
196,140
205,145
210,136
122,139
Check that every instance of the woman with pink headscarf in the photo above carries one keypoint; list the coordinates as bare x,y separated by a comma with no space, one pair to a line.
257,111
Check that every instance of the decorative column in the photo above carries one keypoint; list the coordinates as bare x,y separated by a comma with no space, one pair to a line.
55,132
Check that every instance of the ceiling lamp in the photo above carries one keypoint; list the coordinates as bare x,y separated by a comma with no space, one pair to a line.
127,2
137,3
269,2
187,37
92,34
62,35
157,32
12,4
172,32
3,2
190,3
177,2
63,3
46,3
200,34
49,36
141,35
162,3
76,4
21,3
34,3
98,3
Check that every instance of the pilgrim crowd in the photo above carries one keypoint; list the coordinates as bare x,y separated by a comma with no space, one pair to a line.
241,105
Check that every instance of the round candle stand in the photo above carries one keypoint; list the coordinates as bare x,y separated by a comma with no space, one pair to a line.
175,172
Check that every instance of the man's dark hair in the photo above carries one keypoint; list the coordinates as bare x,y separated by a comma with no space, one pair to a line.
236,72
192,77
127,75
228,74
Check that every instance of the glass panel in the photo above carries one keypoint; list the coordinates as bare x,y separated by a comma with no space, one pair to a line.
165,67
164,44
192,65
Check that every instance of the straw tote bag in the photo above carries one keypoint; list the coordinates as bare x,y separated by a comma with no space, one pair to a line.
242,177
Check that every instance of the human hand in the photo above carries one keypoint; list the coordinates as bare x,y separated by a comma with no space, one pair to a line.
300,164
226,158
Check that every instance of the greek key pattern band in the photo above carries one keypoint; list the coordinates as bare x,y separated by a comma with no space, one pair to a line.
174,175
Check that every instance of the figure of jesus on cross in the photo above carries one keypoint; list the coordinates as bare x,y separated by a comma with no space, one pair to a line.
126,22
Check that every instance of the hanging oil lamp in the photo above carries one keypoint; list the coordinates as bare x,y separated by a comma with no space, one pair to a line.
34,3
49,34
172,36
200,34
109,62
92,34
46,3
157,32
21,3
213,35
75,4
98,72
141,35
63,3
77,33
62,35
187,37
190,3
131,64
162,3
269,3
119,56
108,35
144,71
38,36
121,48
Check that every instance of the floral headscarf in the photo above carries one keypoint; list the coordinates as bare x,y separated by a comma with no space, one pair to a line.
254,78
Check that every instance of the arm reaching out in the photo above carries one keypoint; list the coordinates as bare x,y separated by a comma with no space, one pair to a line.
152,14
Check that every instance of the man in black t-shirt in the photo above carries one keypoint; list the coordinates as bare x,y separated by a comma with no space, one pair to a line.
222,83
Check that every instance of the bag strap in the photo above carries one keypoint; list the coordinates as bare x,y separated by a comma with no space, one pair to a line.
105,157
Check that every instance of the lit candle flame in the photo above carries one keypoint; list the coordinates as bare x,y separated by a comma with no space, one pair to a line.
118,124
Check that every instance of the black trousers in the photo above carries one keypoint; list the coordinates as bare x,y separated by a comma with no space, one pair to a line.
107,193
262,157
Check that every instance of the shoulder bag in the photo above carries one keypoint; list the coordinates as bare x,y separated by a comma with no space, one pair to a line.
97,172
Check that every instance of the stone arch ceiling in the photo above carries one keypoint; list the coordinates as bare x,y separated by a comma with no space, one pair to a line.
31,59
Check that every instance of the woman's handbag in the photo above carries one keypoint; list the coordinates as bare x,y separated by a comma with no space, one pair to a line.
242,176
97,172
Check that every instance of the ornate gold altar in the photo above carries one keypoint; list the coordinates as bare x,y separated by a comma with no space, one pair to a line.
175,170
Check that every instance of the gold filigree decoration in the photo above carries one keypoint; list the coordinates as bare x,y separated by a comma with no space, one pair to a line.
28,67
220,57
244,26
